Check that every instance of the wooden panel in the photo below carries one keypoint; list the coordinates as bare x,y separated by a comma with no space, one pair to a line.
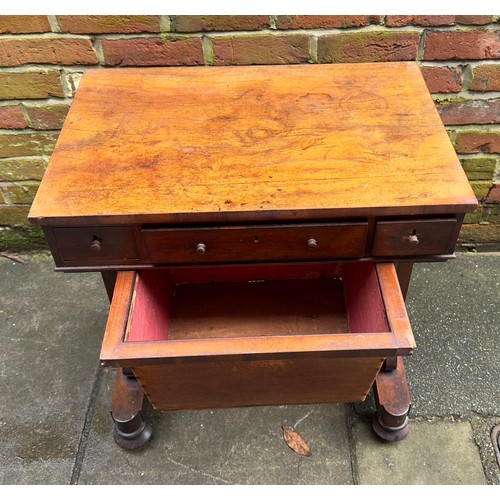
251,143
112,243
255,243
227,384
414,237
363,298
218,310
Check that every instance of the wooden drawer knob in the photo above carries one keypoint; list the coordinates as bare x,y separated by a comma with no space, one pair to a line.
413,240
201,248
312,244
95,246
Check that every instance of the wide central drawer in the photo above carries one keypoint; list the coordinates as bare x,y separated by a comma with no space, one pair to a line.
209,337
255,243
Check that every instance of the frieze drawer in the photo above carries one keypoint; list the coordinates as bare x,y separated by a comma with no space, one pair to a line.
96,244
414,237
255,243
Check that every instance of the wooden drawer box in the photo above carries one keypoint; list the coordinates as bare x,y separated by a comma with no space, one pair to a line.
255,243
233,336
415,237
96,244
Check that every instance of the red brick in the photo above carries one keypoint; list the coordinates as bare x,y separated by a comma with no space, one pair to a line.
486,77
480,233
268,49
31,84
395,21
368,46
465,112
321,22
22,193
193,24
27,144
12,117
14,215
24,24
476,20
109,24
462,45
22,169
494,196
443,79
153,52
47,116
52,50
468,142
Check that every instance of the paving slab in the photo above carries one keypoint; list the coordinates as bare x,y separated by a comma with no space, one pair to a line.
482,429
233,446
51,327
435,452
454,309
55,426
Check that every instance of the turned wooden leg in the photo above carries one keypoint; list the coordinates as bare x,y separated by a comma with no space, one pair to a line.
128,409
109,278
404,270
392,398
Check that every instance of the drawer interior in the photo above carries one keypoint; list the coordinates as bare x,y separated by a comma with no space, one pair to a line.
164,314
167,310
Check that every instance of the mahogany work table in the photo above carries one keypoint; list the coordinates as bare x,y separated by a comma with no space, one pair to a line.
256,229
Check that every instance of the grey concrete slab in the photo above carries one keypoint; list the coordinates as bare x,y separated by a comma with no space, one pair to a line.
50,330
435,452
482,428
454,309
55,426
233,446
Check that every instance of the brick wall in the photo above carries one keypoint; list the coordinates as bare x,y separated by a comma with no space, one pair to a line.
42,59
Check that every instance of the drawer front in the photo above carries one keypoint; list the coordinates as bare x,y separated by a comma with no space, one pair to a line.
417,237
255,243
96,244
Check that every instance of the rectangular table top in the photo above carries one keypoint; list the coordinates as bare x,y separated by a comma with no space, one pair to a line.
222,144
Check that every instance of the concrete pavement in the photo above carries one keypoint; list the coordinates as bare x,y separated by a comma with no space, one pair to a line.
55,426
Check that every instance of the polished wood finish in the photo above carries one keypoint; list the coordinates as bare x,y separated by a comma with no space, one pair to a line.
216,344
232,383
96,244
392,397
371,335
414,237
255,243
256,143
109,279
220,178
129,407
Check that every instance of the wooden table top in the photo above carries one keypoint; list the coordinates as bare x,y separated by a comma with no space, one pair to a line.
251,143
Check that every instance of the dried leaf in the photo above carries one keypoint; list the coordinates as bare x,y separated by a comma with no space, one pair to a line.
296,442
12,256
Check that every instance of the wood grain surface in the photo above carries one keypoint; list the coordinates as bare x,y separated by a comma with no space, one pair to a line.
251,143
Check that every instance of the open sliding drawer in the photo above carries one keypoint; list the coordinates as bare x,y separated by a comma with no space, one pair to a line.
228,336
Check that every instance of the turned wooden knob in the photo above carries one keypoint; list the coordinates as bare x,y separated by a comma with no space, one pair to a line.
95,246
413,240
312,244
201,248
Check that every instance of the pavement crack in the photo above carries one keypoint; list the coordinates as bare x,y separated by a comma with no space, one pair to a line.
84,437
196,471
302,419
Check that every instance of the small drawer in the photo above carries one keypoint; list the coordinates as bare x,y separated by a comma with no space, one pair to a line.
255,243
96,244
230,336
414,237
